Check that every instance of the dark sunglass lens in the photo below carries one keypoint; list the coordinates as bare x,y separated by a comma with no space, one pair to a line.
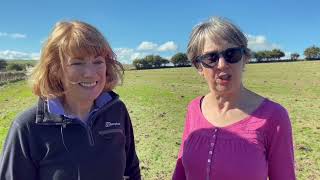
233,55
210,58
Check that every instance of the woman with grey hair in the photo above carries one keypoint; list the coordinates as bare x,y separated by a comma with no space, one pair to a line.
231,132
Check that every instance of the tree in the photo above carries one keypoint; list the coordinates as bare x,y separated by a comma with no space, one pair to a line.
312,52
180,59
15,67
294,56
276,54
143,63
137,63
164,61
267,55
150,61
258,56
3,64
262,55
158,61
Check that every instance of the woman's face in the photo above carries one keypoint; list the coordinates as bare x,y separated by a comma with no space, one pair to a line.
84,79
223,77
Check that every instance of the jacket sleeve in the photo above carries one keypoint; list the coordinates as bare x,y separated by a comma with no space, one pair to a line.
280,153
132,170
16,162
179,172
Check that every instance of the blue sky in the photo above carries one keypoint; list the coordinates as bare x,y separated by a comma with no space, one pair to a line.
136,28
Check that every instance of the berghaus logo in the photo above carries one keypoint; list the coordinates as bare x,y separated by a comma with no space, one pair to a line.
109,124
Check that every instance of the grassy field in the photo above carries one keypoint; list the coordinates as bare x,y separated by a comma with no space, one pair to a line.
157,101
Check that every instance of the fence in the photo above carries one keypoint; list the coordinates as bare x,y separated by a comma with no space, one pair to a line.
11,76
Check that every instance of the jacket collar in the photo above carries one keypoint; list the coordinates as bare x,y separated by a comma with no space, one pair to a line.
44,117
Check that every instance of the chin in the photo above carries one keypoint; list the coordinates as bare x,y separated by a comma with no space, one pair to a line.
222,89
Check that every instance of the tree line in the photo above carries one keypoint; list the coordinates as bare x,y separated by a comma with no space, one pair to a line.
275,54
5,66
156,61
310,53
181,59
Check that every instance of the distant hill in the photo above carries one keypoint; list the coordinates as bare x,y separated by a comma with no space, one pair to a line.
31,62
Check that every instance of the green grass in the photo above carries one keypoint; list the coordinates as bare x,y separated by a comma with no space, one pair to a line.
157,101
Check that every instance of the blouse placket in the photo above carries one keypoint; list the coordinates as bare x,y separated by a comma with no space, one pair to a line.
211,150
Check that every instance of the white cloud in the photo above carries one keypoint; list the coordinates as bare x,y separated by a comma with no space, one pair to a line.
150,46
168,46
3,34
136,55
13,35
287,55
8,54
168,57
127,55
146,45
259,43
18,36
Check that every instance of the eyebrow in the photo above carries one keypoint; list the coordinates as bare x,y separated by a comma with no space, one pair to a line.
84,59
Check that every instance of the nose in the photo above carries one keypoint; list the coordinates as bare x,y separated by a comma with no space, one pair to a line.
89,71
221,63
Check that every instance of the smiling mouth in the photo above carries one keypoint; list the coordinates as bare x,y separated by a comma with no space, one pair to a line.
88,84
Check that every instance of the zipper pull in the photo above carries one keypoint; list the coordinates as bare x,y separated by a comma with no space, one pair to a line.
65,122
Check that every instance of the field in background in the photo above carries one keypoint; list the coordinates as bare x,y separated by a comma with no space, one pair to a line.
157,100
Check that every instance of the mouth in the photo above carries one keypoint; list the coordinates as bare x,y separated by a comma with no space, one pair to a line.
223,79
88,84
224,76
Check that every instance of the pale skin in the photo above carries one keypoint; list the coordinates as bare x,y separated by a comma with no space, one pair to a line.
228,101
83,81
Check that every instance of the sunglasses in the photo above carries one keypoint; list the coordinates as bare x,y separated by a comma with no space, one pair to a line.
231,55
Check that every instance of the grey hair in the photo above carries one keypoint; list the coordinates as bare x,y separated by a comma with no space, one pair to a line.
219,30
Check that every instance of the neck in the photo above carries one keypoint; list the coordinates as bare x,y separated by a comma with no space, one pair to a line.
76,108
225,102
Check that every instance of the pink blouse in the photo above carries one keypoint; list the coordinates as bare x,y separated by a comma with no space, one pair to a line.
255,148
